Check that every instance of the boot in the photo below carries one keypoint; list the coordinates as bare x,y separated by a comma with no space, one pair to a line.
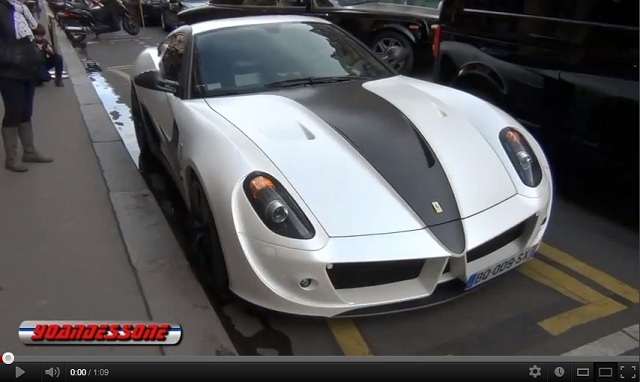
10,139
30,155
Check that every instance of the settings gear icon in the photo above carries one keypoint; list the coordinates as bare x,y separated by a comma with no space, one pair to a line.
535,371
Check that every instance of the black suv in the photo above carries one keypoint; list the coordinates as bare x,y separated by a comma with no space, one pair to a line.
566,69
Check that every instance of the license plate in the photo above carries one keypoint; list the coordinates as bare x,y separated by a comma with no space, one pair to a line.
498,269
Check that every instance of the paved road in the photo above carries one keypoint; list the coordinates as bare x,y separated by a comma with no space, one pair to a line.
583,286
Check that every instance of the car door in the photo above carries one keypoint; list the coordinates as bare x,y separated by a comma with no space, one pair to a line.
359,24
236,8
289,7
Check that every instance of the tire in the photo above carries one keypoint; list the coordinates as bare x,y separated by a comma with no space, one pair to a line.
130,26
138,125
205,249
386,39
148,161
163,22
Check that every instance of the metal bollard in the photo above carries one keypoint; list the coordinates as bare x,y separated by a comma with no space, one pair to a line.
51,25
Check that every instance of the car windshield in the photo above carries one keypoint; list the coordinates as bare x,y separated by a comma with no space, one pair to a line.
256,58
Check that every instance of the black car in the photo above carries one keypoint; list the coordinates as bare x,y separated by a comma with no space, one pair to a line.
170,8
566,69
151,10
379,25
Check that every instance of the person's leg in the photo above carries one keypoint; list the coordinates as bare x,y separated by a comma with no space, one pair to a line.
12,98
58,65
44,73
25,130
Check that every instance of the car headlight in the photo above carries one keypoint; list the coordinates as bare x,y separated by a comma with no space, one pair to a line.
522,156
276,208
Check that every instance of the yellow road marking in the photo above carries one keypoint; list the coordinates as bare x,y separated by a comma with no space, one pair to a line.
562,322
119,73
596,305
349,337
553,278
119,67
606,281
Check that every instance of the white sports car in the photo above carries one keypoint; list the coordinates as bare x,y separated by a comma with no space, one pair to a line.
322,183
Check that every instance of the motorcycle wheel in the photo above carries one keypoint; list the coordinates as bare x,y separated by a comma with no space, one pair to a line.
130,26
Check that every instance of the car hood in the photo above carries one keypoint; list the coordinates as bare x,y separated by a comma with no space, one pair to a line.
397,9
373,157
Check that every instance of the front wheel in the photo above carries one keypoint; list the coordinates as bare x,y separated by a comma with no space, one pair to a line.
129,25
388,39
138,126
206,250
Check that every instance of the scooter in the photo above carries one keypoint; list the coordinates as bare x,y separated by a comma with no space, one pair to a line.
78,20
58,6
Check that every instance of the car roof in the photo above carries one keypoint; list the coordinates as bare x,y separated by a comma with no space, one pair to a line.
206,26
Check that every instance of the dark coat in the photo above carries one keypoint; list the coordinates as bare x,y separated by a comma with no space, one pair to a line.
16,56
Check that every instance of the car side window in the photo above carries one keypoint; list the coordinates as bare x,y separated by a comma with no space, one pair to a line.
171,61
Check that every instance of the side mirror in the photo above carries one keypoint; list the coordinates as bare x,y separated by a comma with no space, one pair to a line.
396,55
152,80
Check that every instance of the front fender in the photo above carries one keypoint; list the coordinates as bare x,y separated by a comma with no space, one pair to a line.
397,28
222,156
478,69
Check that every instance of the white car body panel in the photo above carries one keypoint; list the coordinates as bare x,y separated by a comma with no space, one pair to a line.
358,216
338,185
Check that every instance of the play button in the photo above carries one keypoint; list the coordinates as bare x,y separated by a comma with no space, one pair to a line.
19,372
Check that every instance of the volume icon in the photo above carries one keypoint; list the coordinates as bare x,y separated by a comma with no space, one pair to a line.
53,372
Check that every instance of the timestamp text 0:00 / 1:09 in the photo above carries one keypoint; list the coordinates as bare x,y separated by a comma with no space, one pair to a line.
88,372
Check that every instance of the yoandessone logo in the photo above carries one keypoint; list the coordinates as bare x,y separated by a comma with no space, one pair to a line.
99,333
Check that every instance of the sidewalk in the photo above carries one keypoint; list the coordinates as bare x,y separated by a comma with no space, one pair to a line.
82,238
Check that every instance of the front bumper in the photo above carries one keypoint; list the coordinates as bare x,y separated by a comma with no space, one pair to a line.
399,271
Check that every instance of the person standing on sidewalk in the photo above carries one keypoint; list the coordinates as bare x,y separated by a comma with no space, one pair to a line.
20,66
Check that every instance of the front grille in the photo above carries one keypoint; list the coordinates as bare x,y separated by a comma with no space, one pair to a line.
360,275
497,242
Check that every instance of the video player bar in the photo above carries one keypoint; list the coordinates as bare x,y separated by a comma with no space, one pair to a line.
297,371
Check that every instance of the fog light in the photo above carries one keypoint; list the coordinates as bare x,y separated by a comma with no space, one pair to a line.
305,283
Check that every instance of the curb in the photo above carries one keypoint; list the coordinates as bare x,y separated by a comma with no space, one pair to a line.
168,285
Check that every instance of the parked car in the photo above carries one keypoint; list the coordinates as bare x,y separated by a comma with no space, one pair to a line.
379,25
170,8
567,70
319,182
151,10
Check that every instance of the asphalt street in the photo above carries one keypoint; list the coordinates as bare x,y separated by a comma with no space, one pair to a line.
582,286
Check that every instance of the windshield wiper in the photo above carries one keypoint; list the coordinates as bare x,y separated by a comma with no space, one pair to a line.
310,81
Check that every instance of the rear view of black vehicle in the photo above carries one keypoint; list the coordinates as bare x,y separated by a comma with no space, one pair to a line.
567,70
380,25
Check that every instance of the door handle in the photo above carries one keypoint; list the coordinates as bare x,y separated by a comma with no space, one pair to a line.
543,37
